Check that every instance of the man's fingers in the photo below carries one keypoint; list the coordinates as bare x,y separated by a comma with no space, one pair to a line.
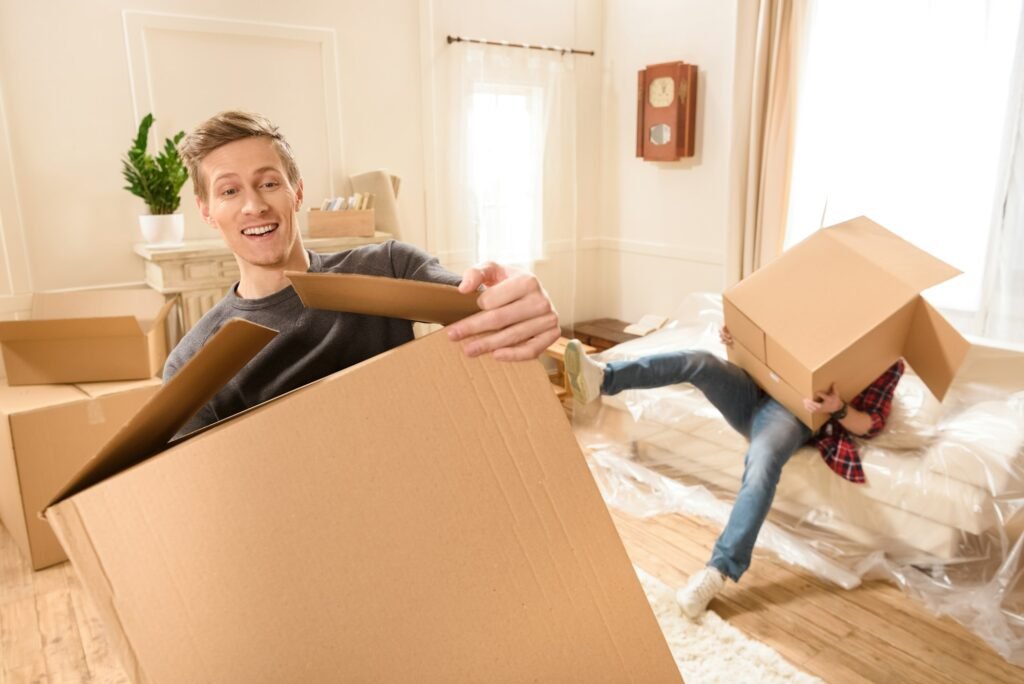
520,309
514,335
530,349
487,273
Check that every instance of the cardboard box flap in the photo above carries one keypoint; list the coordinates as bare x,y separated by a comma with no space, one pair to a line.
411,300
891,254
934,348
140,303
150,322
159,419
82,328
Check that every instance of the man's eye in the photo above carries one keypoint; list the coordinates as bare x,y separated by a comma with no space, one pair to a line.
271,184
228,192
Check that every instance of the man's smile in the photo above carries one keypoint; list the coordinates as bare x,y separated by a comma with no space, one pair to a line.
259,231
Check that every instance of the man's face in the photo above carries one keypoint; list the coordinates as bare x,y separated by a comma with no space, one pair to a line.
250,201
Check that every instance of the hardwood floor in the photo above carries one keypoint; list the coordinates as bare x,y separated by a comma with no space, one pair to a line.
871,634
49,632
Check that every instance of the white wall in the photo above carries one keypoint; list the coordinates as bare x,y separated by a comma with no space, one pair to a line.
351,85
662,227
342,79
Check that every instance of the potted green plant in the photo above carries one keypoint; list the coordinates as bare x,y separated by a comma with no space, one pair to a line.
158,182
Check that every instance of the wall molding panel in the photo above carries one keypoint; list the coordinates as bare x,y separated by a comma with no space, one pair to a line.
142,28
655,249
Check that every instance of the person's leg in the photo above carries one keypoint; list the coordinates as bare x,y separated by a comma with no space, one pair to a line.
726,385
776,434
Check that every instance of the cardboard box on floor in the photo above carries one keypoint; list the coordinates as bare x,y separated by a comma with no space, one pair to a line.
47,433
92,336
421,516
842,306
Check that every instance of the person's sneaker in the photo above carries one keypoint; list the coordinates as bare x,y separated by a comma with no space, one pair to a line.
698,592
585,374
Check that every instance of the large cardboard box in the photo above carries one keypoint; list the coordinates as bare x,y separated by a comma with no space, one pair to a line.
419,517
91,336
47,433
842,306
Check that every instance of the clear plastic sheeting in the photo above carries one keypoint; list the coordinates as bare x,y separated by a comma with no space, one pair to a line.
941,512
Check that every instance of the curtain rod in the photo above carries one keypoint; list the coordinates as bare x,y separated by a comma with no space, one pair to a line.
505,43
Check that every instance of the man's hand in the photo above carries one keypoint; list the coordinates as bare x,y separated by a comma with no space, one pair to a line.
824,402
516,311
725,336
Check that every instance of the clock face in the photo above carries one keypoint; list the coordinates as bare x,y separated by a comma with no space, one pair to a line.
661,91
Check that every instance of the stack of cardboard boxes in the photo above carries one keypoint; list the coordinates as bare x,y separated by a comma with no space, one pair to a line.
77,370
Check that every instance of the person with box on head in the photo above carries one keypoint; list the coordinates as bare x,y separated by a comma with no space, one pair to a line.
773,432
248,188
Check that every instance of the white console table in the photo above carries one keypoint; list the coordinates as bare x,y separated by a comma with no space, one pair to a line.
198,273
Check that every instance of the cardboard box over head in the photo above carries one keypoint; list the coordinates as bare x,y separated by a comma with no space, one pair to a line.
421,516
841,307
90,336
47,433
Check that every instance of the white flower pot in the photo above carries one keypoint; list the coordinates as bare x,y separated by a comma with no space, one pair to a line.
162,229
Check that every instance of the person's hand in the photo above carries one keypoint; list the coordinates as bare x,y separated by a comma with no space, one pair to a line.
516,312
824,402
725,336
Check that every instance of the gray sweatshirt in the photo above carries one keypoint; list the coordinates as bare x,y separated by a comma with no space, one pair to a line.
311,343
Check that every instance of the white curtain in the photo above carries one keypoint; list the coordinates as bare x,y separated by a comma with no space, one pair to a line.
509,156
901,118
770,80
1002,313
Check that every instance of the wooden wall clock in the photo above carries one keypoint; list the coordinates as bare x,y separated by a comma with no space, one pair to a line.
666,111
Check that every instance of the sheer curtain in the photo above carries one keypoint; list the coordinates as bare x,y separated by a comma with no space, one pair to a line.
770,85
509,178
901,118
1002,313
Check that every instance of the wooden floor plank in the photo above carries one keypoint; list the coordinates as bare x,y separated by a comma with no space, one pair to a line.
880,632
20,640
101,662
871,634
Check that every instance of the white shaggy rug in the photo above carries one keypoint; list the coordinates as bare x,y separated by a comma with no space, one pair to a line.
711,650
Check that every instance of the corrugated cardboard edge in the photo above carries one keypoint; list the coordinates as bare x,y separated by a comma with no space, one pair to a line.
67,525
934,348
179,399
411,300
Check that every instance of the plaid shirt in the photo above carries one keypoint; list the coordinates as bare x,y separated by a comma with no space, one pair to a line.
835,442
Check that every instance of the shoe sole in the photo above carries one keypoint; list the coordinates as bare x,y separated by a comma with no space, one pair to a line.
572,367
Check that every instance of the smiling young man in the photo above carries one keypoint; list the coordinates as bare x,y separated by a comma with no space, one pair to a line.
248,188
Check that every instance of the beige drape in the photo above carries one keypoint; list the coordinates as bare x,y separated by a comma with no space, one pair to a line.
770,44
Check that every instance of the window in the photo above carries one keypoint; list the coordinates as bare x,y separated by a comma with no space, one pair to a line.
901,118
504,150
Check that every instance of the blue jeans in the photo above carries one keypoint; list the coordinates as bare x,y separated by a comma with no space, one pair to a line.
773,432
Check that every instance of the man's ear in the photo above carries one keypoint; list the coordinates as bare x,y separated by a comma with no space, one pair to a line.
204,211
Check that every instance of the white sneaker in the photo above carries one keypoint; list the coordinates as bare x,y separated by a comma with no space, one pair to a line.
585,374
698,592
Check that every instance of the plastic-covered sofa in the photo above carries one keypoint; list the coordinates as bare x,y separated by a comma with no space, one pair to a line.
940,512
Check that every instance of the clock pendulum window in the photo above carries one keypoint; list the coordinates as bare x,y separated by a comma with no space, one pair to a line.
666,111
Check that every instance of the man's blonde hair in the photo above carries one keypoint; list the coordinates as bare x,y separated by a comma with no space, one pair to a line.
225,128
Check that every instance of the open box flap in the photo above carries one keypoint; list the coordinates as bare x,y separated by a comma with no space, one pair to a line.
411,300
934,348
179,399
891,254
